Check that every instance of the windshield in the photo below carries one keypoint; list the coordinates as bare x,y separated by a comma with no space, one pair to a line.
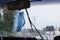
45,16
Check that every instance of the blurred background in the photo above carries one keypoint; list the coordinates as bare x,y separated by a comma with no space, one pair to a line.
44,14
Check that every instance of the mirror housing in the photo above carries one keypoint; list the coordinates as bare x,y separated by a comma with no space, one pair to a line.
18,5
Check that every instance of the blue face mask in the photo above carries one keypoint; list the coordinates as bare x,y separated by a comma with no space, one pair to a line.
19,22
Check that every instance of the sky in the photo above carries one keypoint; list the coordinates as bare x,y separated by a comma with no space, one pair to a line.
43,15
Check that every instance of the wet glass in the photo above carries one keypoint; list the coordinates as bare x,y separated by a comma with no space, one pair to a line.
6,21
